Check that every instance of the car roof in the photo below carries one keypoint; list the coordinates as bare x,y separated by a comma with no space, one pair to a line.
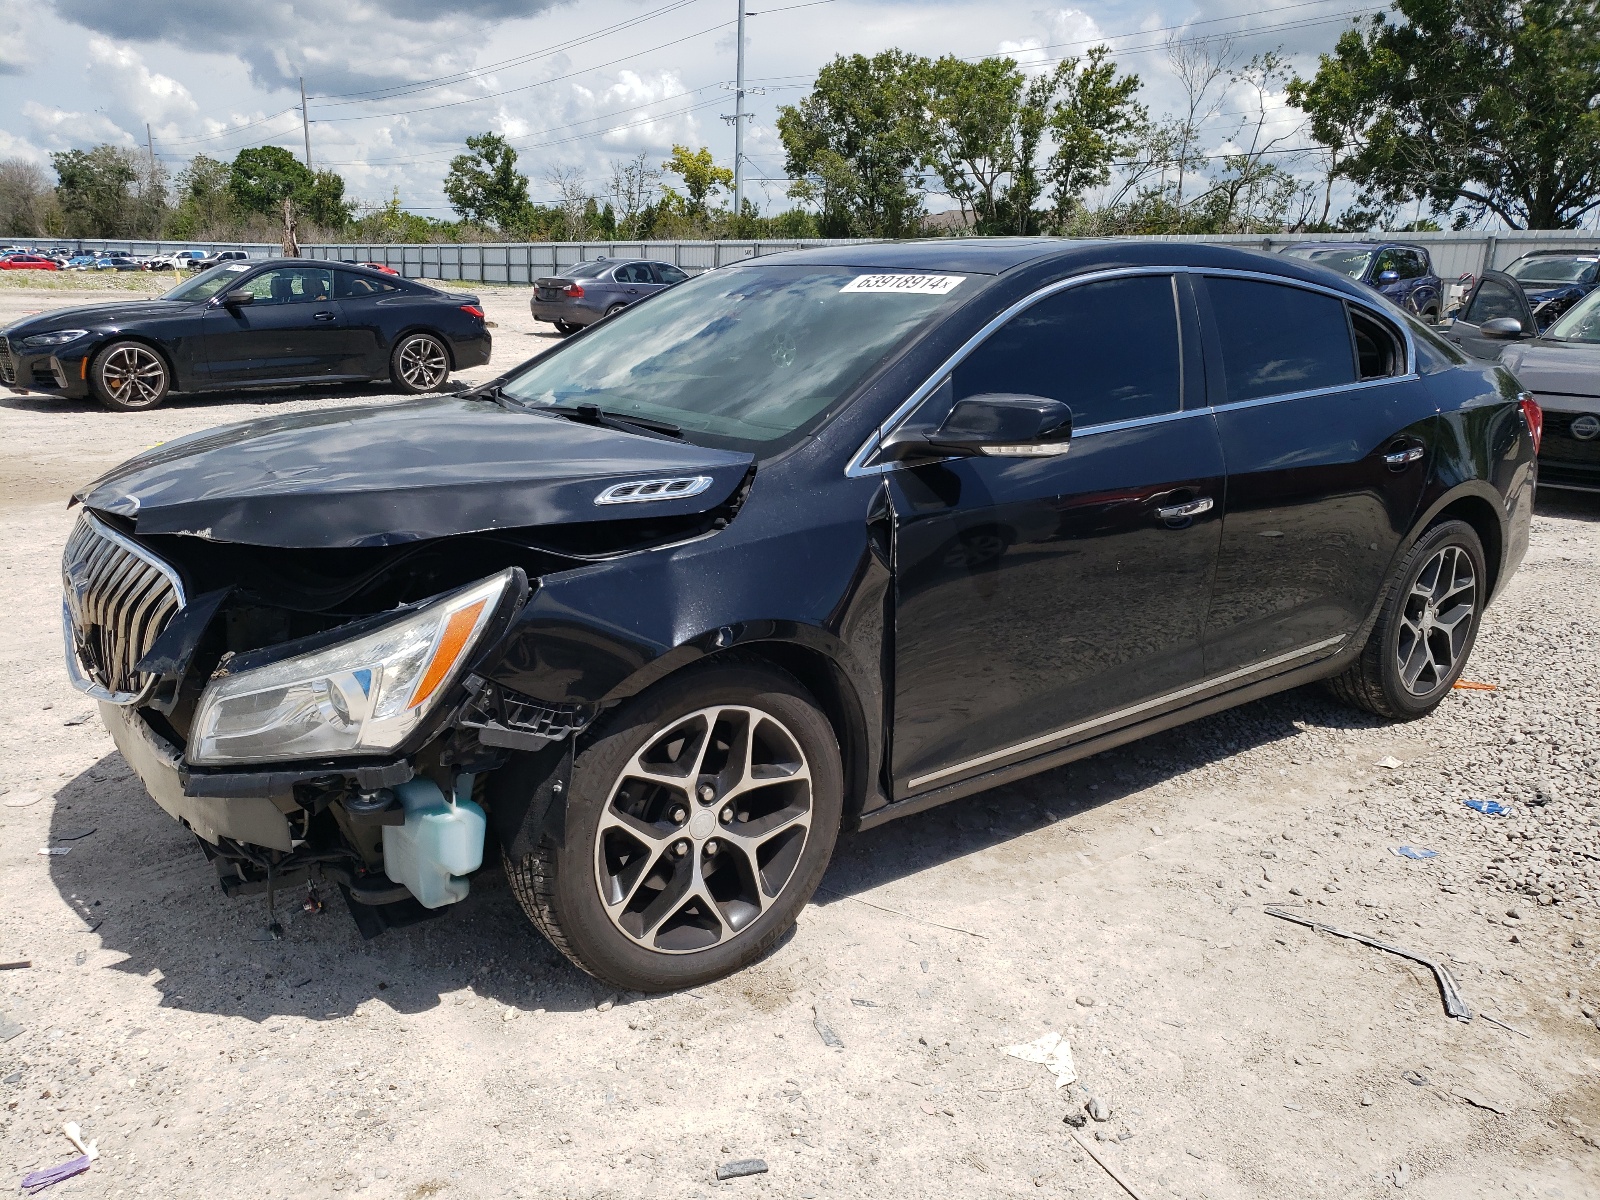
996,256
1354,245
1561,254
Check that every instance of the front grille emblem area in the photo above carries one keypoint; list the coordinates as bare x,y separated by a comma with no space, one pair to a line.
117,598
644,490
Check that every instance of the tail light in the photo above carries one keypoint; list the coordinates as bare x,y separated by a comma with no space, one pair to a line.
1534,415
472,310
574,290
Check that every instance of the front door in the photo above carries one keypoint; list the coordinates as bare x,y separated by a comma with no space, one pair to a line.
292,329
1038,600
1327,440
1496,295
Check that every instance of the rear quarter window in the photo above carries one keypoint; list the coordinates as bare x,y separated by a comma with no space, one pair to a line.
1278,340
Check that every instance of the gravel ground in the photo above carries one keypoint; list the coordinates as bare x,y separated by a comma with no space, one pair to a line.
1119,902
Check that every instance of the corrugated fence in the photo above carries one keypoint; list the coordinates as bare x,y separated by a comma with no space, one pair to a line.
1454,254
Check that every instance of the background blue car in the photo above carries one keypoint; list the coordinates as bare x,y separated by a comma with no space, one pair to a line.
1555,280
1402,272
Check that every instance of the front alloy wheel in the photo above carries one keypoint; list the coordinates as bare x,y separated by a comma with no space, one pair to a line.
129,377
698,826
420,364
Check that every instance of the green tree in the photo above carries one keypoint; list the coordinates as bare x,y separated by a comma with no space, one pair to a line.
1485,104
854,146
262,176
701,177
484,185
96,190
1094,122
205,205
984,124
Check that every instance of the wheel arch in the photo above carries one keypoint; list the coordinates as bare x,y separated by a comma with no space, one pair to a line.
1487,519
433,331
102,344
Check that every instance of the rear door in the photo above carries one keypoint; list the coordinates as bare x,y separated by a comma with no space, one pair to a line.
292,329
1327,436
1496,295
1042,600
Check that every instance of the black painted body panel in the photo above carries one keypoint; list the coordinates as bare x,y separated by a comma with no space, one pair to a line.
946,612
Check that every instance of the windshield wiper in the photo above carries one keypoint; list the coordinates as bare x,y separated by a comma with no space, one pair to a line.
593,414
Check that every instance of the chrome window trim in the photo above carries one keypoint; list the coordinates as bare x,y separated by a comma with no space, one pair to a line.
1046,740
860,466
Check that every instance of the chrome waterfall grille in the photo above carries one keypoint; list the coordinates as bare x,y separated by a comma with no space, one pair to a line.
117,599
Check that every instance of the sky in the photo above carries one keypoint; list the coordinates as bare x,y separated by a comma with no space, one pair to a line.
396,86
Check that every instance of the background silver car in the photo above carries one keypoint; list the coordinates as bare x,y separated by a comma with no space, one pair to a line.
590,291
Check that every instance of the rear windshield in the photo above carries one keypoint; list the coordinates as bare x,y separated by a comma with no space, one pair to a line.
1551,270
744,357
586,270
1347,262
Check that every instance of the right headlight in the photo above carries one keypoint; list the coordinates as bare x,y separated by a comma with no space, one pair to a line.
363,696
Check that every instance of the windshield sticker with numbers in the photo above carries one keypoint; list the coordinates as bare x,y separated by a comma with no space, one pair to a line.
917,285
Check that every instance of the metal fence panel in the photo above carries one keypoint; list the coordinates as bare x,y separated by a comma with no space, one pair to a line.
1454,254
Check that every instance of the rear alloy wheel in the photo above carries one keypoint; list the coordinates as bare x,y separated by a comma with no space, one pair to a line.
698,826
420,363
615,309
1426,628
129,377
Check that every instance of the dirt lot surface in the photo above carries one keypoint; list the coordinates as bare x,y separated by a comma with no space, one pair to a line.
1120,902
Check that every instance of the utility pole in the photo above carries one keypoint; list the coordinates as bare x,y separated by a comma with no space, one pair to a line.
305,120
150,141
738,123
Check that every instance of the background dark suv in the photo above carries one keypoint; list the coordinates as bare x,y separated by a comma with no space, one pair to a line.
587,292
1401,272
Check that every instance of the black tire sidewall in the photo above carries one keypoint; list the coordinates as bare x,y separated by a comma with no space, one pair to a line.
399,380
1394,689
104,397
604,950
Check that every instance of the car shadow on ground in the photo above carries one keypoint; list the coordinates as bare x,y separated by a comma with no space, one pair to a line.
139,880
383,390
1560,502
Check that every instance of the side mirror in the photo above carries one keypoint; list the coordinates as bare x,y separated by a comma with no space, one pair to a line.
1501,327
1388,276
238,296
993,424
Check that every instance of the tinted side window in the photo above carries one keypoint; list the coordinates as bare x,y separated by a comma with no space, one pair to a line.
347,285
1388,260
291,285
669,274
1411,265
1492,299
1108,350
634,273
1278,339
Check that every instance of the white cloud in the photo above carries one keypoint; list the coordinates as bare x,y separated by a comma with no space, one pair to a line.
62,127
147,94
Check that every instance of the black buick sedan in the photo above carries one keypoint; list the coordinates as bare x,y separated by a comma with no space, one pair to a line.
799,546
247,324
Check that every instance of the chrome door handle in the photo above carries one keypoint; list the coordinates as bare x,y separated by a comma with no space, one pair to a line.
1398,460
1189,508
323,316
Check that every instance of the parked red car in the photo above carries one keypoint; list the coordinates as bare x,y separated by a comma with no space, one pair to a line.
381,267
27,262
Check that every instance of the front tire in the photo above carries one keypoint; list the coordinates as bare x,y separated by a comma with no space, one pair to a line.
1425,630
420,363
698,825
129,377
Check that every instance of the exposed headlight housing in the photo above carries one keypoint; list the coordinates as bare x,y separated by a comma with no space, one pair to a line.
362,696
59,338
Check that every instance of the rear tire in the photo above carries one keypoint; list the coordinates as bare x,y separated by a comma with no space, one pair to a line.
615,309
565,329
129,377
419,363
698,825
1425,630
1430,316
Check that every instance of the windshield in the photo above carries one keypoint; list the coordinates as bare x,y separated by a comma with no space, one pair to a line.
208,283
1551,270
740,357
1347,262
1580,323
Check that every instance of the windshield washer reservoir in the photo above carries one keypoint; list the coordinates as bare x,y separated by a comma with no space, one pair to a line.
441,841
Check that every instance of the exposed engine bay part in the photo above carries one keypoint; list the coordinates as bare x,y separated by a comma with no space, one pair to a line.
507,718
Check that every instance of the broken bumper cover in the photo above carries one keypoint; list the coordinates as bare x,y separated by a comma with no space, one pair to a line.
249,807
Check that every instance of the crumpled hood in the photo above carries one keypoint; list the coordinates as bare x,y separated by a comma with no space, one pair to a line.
400,473
96,315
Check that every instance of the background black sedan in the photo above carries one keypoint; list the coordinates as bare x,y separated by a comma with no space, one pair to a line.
241,324
590,291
